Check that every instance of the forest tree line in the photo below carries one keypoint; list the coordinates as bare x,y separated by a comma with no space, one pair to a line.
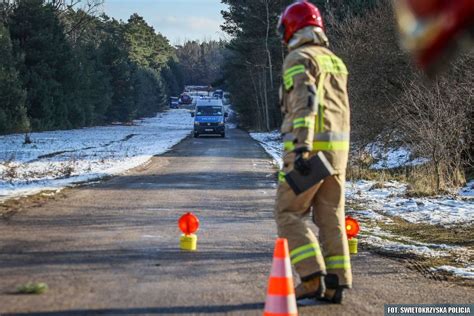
202,62
391,102
65,67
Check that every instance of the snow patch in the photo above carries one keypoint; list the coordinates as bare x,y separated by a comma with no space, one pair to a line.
379,204
467,273
62,158
272,143
468,190
390,200
398,247
392,157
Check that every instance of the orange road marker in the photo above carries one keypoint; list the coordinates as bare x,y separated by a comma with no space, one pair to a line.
352,229
189,224
281,300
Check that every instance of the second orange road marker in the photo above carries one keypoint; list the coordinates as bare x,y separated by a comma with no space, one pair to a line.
281,300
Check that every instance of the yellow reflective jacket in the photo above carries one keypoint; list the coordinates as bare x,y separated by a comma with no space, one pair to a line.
315,103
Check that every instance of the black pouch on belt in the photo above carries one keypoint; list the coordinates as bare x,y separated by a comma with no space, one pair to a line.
320,169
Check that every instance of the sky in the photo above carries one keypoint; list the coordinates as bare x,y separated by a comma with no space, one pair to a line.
178,20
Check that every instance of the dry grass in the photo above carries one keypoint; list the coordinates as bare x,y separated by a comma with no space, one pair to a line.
13,206
363,172
67,170
10,172
421,183
456,235
421,180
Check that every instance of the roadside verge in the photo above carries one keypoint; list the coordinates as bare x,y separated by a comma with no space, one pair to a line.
59,159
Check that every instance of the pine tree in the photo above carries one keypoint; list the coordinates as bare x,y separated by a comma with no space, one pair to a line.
115,57
151,54
98,92
93,90
173,78
13,116
46,70
146,47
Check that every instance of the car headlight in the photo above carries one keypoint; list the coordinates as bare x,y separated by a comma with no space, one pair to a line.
221,124
196,123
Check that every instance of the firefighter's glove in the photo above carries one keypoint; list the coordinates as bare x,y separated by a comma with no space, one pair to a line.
302,163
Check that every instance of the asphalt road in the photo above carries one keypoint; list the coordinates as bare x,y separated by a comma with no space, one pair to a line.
112,248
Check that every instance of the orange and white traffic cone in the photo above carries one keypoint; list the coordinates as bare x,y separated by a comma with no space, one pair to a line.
281,300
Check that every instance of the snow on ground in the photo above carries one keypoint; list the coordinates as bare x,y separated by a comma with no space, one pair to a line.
272,144
467,272
381,202
390,200
61,158
384,203
392,157
468,190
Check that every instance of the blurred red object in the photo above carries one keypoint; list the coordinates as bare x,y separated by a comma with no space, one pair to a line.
188,223
433,29
425,8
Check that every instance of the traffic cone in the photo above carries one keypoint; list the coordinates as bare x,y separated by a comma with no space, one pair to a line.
281,300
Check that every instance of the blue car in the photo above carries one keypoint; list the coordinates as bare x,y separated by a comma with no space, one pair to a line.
209,118
174,103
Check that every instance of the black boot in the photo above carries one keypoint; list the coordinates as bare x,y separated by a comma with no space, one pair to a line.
334,292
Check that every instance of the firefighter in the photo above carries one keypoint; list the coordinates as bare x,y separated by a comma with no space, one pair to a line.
315,106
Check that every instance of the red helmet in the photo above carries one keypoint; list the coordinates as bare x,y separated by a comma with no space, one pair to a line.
297,16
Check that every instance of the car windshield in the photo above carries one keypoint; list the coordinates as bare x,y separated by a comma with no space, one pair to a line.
209,111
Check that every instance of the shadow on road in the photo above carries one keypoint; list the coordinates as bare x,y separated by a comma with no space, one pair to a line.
186,310
208,180
127,256
238,145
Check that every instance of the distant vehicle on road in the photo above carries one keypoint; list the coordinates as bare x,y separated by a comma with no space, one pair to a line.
218,94
196,88
174,103
185,99
209,117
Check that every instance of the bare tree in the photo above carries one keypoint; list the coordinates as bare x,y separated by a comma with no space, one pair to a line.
436,123
85,9
88,6
75,14
267,48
